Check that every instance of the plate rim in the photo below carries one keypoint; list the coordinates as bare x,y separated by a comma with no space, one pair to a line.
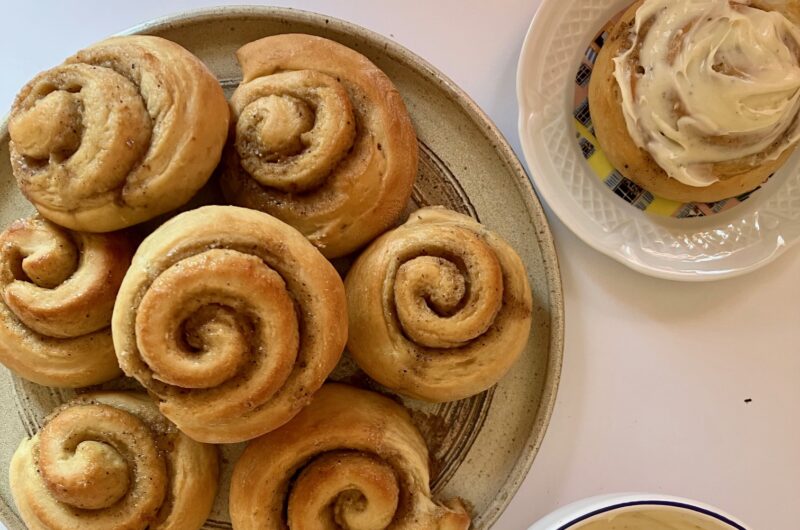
491,132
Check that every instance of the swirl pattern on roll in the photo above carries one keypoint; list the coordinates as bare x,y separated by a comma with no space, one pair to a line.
440,308
322,141
58,289
110,460
351,460
232,318
123,131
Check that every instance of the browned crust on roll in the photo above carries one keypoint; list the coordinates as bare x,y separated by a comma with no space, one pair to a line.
440,308
367,191
110,460
125,130
57,292
265,308
347,444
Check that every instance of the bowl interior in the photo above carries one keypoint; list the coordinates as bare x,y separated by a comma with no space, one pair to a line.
660,515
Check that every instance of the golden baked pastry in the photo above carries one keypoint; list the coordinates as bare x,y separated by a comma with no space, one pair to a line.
58,289
440,308
109,460
123,131
232,319
698,101
322,140
351,459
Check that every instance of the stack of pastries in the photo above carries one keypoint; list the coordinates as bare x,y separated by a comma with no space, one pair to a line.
231,317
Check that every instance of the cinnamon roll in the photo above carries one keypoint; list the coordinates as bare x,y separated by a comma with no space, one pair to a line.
322,140
232,319
699,101
110,460
351,459
123,131
58,289
440,308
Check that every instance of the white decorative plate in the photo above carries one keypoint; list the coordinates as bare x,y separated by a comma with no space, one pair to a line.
691,242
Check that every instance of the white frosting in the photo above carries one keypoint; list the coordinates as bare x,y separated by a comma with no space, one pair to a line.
712,68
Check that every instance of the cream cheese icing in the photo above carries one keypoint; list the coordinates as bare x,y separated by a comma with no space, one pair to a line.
715,81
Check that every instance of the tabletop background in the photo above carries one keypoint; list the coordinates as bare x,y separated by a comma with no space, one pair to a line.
682,389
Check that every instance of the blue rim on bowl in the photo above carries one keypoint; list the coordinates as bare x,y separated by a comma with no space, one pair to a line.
675,504
571,516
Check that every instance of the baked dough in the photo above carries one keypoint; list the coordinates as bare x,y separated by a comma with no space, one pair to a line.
110,460
58,289
123,131
232,319
322,140
440,308
351,459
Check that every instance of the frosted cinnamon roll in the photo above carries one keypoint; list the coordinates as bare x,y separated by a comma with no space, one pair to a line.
322,140
698,101
110,460
232,319
58,289
352,459
123,131
440,308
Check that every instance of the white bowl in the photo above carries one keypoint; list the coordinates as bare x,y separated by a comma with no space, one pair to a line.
574,516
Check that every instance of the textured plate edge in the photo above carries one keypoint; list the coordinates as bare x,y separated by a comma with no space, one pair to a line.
523,183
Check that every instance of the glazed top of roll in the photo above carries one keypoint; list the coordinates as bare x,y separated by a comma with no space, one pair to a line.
708,81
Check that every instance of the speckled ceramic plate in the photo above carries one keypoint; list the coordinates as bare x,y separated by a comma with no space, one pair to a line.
481,448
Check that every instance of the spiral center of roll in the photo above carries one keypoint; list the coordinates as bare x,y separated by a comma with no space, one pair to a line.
86,457
52,127
37,251
451,293
199,340
293,128
346,490
204,317
282,121
79,132
105,471
432,280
